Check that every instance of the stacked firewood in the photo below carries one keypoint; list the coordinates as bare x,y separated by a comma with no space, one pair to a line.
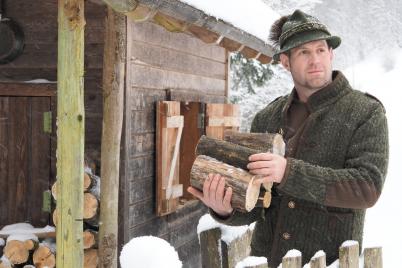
90,217
229,157
27,246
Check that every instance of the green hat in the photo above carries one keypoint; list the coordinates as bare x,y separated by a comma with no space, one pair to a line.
300,28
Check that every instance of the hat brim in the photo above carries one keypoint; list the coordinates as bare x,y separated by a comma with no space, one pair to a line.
306,37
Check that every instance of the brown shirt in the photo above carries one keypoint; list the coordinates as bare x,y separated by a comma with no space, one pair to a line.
296,116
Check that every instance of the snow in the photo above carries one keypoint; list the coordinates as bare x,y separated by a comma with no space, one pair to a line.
6,261
229,233
40,81
253,16
25,228
293,253
22,237
349,243
149,252
251,261
2,242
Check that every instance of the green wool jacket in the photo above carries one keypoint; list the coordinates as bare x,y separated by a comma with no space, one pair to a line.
335,170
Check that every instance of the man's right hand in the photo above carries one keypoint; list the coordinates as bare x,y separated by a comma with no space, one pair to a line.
214,195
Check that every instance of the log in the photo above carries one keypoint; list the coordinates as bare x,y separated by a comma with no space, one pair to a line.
227,152
245,193
90,239
90,182
91,209
16,252
318,260
91,258
263,142
44,256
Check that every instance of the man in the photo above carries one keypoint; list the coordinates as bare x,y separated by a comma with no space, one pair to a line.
336,157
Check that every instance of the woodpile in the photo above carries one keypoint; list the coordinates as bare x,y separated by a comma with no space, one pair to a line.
91,196
229,158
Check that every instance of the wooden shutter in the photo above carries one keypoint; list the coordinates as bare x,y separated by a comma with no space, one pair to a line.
169,127
194,128
220,117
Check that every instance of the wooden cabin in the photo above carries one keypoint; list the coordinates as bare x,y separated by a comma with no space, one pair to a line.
174,52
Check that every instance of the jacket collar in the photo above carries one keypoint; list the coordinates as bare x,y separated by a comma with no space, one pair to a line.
325,96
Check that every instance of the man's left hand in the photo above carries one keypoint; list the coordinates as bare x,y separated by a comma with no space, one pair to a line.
270,166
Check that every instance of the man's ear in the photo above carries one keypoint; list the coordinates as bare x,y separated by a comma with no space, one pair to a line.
284,61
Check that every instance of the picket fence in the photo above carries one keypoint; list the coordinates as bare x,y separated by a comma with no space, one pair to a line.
216,253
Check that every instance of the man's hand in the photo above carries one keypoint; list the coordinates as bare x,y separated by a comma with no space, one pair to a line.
270,166
214,195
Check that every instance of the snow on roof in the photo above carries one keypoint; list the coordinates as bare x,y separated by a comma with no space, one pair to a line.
252,16
150,252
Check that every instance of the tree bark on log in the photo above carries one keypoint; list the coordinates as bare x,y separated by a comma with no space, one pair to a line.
91,258
90,239
263,142
227,152
245,193
44,256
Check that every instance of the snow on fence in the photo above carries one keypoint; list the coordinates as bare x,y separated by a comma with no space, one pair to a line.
219,251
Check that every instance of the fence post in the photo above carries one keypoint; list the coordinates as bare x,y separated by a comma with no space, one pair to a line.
349,255
318,260
209,244
253,262
236,250
373,257
292,259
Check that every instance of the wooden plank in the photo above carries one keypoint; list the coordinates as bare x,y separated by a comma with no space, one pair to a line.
373,257
173,60
157,226
141,167
141,144
194,96
156,35
167,167
40,161
210,250
19,176
4,152
153,78
140,189
215,119
71,129
141,212
349,255
28,89
236,250
194,128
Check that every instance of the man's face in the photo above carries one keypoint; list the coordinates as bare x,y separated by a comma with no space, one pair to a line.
310,65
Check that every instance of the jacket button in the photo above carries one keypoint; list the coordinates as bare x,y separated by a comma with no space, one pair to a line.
286,236
291,204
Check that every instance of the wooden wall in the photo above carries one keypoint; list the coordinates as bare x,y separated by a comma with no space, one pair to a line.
162,66
38,20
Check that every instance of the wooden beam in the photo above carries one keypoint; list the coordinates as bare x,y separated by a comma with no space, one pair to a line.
28,89
114,64
70,132
122,6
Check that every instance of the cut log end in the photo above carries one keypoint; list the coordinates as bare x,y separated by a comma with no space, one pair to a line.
91,205
252,193
91,258
16,252
44,257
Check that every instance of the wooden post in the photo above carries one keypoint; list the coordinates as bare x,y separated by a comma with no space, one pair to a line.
318,260
236,250
292,259
373,257
209,246
349,255
70,132
113,103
